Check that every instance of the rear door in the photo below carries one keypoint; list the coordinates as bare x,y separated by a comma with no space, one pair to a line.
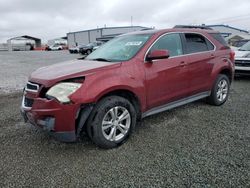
166,79
201,59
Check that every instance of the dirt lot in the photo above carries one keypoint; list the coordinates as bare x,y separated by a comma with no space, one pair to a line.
196,145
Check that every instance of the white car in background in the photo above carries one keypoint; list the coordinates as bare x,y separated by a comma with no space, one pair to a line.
242,60
55,47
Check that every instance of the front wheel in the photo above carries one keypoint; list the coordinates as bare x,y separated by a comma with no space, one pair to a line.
220,91
111,122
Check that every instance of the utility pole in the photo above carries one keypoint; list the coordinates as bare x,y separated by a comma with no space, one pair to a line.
131,20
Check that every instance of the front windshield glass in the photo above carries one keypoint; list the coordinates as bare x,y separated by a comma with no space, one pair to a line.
245,47
121,48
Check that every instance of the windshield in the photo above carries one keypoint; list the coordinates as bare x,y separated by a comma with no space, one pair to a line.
120,48
245,47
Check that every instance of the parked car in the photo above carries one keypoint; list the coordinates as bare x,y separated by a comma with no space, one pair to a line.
76,49
240,43
89,47
130,77
54,47
242,60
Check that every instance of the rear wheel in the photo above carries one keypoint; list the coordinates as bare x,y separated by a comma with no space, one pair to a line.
220,91
111,122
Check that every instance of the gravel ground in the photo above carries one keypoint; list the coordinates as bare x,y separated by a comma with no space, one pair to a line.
196,145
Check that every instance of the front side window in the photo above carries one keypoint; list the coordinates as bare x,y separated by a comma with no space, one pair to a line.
170,42
197,43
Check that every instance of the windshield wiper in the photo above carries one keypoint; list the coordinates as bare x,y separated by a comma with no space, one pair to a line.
101,59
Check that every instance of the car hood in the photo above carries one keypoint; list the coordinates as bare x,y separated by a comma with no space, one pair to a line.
52,74
241,53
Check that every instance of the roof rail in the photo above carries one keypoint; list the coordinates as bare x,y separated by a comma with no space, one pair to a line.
145,29
192,27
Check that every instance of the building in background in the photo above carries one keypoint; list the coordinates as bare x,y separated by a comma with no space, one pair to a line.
3,47
23,43
99,34
227,30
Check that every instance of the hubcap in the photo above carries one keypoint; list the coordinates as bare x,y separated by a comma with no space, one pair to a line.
116,123
222,90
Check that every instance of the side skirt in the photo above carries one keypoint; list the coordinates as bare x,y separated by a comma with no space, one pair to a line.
175,104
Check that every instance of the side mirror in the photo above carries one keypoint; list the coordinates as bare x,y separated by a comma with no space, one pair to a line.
157,54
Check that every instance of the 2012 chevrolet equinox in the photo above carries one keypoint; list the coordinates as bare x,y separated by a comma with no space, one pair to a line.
133,76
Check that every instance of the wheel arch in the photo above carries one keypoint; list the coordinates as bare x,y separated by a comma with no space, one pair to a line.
228,73
127,94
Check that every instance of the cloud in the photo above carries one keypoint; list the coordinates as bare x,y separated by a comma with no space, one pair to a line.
48,19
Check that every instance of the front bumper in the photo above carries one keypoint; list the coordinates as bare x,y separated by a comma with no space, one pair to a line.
239,70
49,115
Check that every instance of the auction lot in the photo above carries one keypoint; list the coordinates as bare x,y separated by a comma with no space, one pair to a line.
196,145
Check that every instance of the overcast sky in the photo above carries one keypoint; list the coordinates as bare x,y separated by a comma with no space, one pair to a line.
48,19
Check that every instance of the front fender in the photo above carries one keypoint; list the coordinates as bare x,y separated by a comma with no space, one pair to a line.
101,83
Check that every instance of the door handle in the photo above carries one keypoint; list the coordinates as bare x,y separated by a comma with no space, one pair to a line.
183,64
212,55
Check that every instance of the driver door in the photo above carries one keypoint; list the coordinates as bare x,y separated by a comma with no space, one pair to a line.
167,79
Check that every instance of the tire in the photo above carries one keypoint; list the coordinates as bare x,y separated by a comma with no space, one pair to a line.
88,52
220,91
103,126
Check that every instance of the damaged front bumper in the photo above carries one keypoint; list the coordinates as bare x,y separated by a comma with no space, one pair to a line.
63,121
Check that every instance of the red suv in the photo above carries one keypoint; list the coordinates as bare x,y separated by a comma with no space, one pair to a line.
133,76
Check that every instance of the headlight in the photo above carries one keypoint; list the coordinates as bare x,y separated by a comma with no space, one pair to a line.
62,91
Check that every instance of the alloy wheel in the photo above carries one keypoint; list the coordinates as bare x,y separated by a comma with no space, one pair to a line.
222,90
116,123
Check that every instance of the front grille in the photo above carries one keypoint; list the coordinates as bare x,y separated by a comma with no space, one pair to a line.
242,72
32,87
242,63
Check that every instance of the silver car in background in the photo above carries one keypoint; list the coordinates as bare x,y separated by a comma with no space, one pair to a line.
242,60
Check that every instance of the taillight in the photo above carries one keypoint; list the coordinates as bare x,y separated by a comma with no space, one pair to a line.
232,54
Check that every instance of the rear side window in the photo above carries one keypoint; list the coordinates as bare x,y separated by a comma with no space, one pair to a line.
197,43
219,38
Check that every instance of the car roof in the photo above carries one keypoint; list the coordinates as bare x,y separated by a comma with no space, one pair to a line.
180,30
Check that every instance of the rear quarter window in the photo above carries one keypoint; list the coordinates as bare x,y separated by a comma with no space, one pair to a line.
220,39
197,43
